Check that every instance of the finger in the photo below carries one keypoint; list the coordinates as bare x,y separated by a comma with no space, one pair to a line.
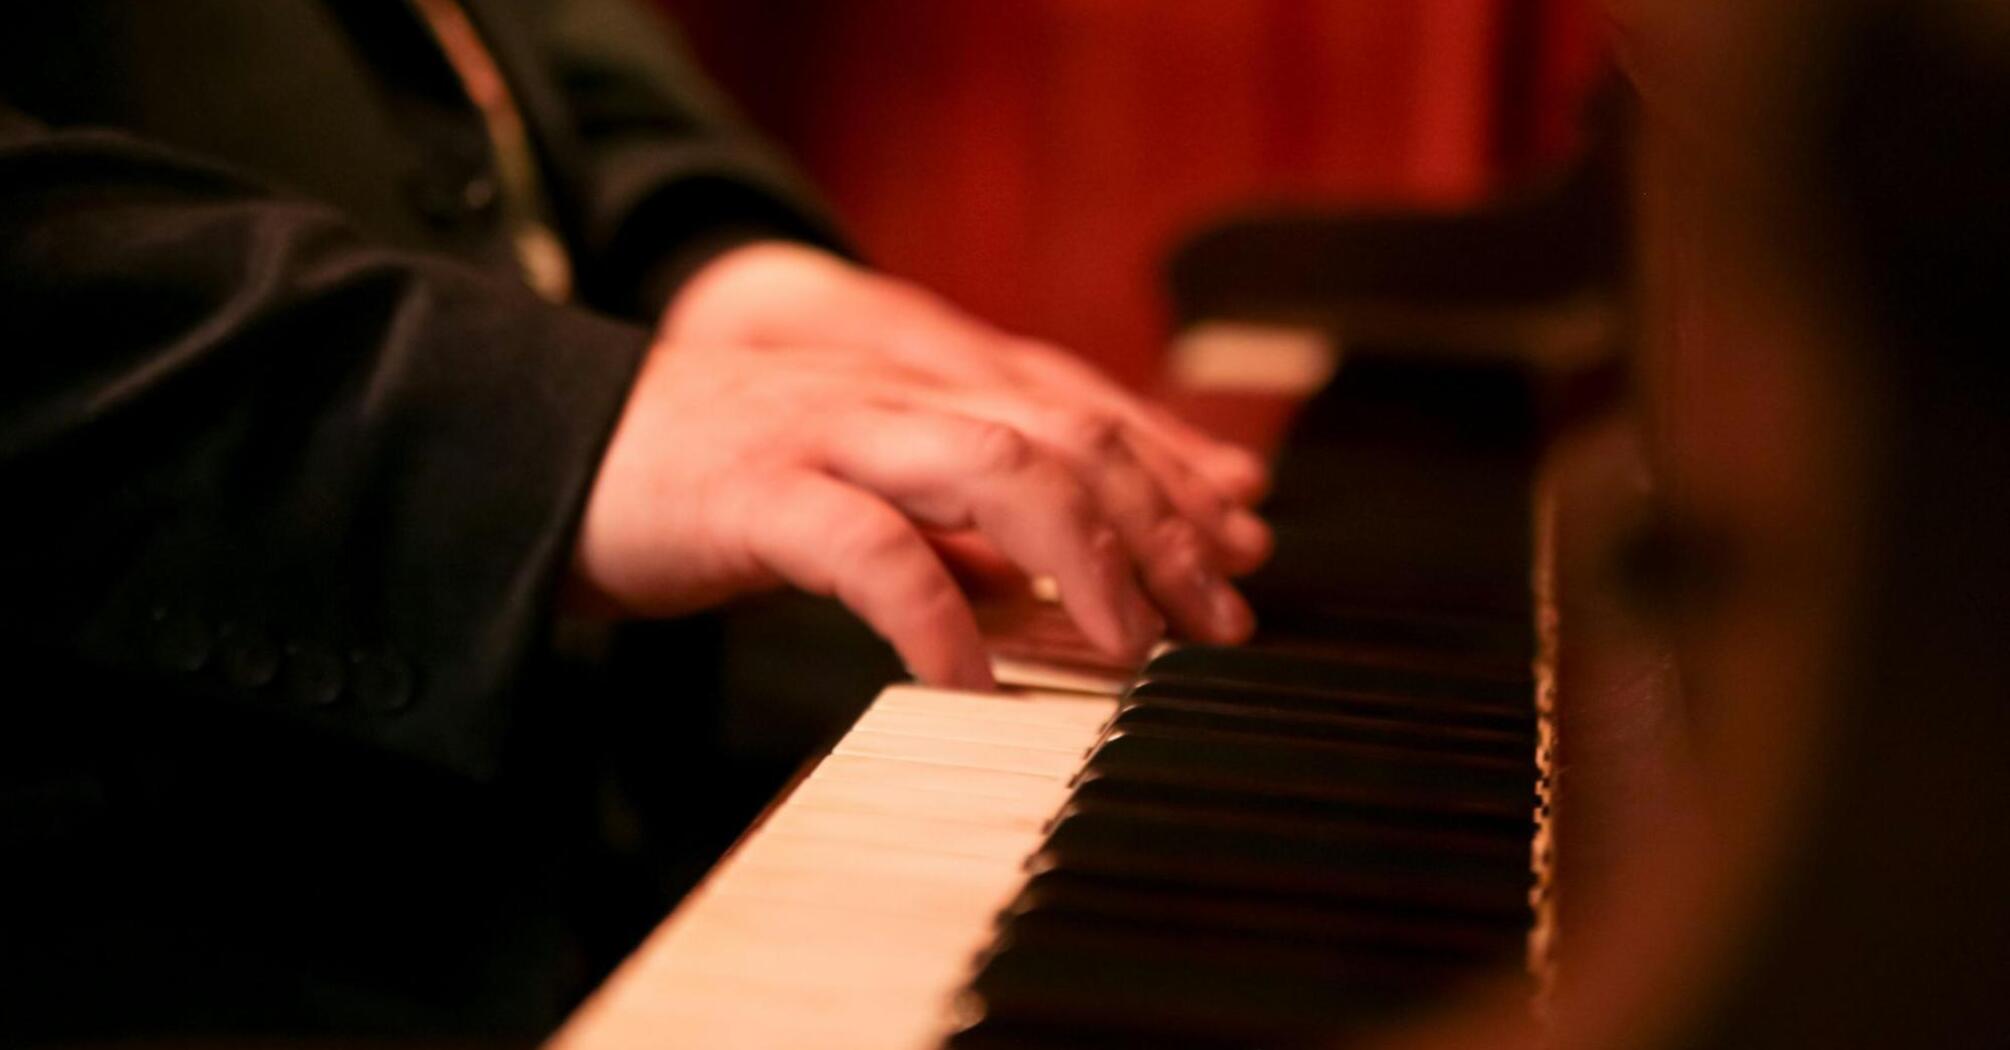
1139,474
829,538
1167,549
944,342
1238,473
1230,470
1242,541
953,472
1177,562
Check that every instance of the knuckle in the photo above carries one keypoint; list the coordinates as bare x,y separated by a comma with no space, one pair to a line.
1090,432
997,448
1069,495
1106,546
1179,544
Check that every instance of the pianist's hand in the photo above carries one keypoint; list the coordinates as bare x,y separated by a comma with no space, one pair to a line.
782,295
748,462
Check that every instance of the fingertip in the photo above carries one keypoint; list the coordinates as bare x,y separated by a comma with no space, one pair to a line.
1107,633
974,672
1238,473
1184,577
1128,625
968,670
1246,540
1229,617
1144,624
1129,630
976,677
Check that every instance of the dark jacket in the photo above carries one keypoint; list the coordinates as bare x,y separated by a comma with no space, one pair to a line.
292,461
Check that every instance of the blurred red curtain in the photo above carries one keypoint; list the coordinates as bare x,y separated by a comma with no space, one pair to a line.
1034,160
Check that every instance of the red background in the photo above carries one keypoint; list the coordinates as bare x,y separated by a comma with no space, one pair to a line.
1036,159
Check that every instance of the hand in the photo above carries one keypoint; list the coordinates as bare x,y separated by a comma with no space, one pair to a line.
787,296
731,471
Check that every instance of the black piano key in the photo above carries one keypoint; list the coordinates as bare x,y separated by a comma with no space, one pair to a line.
1326,853
1381,823
1401,967
1280,844
1352,863
1503,665
1299,670
1502,640
1310,705
1317,770
1318,919
1204,802
1256,723
1195,988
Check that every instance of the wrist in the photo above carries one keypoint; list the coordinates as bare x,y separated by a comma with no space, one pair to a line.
739,281
667,282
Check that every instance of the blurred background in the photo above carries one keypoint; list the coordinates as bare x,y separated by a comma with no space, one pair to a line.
1036,160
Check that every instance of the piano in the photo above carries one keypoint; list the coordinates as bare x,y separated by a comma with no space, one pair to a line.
1349,824
1286,843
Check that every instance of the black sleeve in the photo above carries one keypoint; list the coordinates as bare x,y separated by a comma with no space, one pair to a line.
671,173
255,463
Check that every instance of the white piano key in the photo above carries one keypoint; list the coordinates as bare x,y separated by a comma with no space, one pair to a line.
945,726
843,794
1040,674
1023,707
901,831
862,899
968,754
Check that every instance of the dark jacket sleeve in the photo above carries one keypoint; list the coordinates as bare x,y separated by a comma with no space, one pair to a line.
255,463
663,171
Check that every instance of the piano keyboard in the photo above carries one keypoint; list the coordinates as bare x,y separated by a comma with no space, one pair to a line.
1248,847
1277,845
1270,847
